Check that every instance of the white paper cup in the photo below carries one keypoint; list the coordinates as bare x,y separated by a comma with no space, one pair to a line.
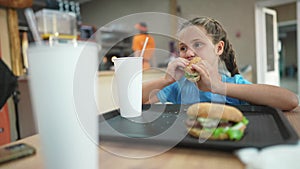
128,78
62,89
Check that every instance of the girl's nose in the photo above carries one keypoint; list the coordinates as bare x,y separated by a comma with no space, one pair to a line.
190,52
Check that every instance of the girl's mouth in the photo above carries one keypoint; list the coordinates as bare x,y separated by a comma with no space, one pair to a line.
190,58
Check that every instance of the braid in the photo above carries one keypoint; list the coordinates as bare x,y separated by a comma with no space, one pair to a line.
228,56
217,32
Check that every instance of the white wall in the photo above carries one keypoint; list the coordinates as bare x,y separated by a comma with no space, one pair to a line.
101,12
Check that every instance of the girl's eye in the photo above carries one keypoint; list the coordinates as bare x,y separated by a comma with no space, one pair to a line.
182,48
197,44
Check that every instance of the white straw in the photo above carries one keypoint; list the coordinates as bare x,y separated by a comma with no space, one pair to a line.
144,47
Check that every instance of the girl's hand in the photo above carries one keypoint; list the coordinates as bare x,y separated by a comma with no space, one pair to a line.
210,80
175,69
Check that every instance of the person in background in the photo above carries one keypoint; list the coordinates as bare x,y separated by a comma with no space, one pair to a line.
138,42
206,38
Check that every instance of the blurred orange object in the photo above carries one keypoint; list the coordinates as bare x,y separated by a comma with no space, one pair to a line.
16,3
4,125
137,45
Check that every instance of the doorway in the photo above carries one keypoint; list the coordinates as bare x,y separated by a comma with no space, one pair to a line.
287,13
287,34
266,46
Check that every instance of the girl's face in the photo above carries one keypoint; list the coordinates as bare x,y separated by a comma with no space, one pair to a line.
194,41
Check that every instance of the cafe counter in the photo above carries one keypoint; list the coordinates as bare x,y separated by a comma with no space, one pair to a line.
105,100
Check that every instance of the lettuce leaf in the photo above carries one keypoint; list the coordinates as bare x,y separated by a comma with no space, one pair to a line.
235,134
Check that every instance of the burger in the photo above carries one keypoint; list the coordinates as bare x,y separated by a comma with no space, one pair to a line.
190,73
215,121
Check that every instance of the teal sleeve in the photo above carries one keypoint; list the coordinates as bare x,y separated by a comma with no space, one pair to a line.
169,93
239,79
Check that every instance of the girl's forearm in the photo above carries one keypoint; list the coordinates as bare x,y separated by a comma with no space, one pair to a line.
150,89
262,94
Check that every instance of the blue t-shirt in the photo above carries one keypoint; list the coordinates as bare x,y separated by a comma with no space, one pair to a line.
186,92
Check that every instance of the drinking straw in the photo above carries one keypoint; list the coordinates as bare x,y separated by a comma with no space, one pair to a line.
32,25
144,47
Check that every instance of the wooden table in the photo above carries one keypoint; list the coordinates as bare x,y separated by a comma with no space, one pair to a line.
173,158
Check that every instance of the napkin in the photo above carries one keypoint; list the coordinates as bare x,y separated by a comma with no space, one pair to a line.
273,157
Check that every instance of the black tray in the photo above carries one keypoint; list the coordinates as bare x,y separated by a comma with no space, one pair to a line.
165,125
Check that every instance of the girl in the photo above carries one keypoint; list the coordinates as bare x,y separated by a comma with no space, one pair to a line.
205,37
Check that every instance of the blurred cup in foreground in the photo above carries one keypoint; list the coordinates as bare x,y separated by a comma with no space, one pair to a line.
128,79
62,79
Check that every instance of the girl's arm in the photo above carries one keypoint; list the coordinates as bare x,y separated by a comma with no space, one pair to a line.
262,94
174,72
151,88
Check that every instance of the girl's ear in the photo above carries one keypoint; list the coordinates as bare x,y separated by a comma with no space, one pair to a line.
219,48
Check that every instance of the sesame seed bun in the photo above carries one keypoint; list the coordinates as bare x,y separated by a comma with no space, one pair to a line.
214,110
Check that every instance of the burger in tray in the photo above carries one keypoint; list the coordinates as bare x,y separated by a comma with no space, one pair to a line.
215,121
190,73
